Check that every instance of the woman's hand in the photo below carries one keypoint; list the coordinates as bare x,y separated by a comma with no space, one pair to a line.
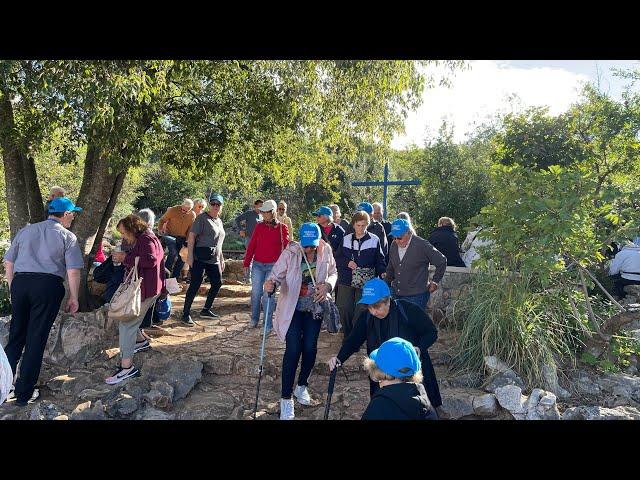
352,265
269,286
333,363
320,292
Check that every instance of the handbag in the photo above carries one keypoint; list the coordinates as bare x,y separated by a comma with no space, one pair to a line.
125,303
330,313
360,275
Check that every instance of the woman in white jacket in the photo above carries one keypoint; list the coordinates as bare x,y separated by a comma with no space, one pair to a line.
306,273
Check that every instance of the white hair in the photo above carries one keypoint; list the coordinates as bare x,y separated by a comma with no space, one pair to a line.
188,201
147,216
406,216
378,204
200,201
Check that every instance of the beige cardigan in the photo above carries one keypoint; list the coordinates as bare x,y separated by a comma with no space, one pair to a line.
287,273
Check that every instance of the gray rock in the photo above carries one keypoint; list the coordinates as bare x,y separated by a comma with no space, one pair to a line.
88,411
45,411
4,330
149,413
208,406
81,338
219,364
541,405
92,394
120,404
507,377
466,380
457,405
495,365
625,387
511,399
160,395
550,376
585,384
485,405
182,373
601,413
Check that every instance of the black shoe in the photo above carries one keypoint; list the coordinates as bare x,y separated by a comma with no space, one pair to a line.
208,313
187,321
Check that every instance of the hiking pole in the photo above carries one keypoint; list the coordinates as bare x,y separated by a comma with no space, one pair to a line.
332,382
264,337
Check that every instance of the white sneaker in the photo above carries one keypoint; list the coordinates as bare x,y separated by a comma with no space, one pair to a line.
286,409
302,394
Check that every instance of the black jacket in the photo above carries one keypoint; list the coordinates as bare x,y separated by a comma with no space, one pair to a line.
446,241
414,326
334,238
400,401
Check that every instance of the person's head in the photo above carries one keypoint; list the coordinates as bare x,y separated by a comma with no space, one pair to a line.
268,210
199,205
130,227
405,216
447,222
401,231
378,211
215,202
377,297
309,234
63,209
336,212
395,360
147,215
56,192
366,206
282,208
187,205
257,204
360,222
324,216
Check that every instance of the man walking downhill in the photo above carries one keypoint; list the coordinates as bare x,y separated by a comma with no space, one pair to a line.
175,225
40,257
250,218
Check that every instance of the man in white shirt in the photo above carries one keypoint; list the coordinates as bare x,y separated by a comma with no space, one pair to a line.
625,268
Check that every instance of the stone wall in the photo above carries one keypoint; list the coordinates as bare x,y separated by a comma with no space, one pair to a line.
451,288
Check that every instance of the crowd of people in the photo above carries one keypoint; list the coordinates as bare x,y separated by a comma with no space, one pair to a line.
376,272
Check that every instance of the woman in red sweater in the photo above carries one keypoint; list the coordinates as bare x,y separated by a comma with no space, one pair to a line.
270,237
147,247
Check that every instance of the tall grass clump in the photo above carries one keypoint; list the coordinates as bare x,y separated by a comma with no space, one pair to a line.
509,316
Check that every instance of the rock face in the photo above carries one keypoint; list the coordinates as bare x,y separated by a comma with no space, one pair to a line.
181,373
457,405
601,413
485,405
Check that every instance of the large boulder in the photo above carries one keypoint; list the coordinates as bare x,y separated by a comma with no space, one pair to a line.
601,413
485,405
182,373
457,404
623,389
511,399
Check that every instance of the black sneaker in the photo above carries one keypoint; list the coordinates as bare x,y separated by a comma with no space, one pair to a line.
23,403
187,321
208,313
142,346
122,374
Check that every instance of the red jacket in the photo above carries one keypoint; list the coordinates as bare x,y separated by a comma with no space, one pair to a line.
266,244
150,264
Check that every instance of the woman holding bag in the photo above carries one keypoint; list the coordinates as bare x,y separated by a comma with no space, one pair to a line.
148,255
359,259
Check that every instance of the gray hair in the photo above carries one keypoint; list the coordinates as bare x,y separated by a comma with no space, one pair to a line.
200,201
406,216
188,201
335,208
378,204
147,216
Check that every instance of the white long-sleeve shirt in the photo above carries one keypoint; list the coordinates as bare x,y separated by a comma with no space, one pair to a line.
627,263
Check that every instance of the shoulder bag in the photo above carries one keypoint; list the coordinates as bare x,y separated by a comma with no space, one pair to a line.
125,303
360,275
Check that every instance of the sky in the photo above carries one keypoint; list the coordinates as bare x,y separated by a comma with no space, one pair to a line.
483,90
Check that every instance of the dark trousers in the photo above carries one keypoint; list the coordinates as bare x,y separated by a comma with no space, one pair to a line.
619,283
346,302
301,340
173,247
197,274
35,302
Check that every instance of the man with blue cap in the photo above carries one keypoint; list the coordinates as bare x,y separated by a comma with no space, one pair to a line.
395,366
387,318
331,232
408,265
40,257
374,227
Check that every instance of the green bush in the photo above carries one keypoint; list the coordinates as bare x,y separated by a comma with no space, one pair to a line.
5,302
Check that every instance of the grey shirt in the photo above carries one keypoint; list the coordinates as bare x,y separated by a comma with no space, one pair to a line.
250,217
45,247
209,232
410,275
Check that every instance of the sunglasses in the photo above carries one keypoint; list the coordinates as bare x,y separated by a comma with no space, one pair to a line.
281,209
216,204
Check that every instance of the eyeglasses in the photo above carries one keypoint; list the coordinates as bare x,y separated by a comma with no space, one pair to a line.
216,204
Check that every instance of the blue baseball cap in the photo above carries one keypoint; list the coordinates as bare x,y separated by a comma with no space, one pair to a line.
399,227
216,197
365,206
309,234
396,357
374,290
324,211
62,204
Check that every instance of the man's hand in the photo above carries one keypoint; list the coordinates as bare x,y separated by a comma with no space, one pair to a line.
243,233
72,305
333,363
432,287
320,293
269,286
352,265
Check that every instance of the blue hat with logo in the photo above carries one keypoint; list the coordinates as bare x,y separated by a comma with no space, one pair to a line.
374,290
324,211
309,234
396,357
399,227
365,206
62,204
216,197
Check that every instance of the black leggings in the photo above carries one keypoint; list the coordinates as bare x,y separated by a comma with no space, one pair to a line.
197,275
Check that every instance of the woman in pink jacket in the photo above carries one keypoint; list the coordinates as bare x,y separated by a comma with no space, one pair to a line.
306,273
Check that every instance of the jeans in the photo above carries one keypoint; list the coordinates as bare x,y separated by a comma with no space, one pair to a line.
197,275
174,244
421,300
301,340
259,275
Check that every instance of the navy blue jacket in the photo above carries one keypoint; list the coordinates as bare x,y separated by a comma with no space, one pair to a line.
446,242
334,238
400,401
368,256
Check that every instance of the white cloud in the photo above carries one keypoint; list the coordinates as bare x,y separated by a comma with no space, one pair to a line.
484,89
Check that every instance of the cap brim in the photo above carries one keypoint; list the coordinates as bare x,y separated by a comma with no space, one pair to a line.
314,243
374,354
367,301
76,209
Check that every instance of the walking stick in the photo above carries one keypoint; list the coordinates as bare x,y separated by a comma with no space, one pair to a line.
264,337
332,382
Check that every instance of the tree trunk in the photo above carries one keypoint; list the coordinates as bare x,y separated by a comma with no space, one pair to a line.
17,206
34,195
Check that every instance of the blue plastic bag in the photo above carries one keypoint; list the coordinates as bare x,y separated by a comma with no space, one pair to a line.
163,308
